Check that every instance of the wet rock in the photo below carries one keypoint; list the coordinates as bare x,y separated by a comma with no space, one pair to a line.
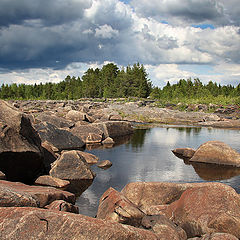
212,208
50,181
24,193
72,166
20,146
20,223
216,152
60,205
58,137
105,164
116,207
163,227
184,153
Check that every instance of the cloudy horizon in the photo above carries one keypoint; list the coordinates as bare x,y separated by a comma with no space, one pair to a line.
44,41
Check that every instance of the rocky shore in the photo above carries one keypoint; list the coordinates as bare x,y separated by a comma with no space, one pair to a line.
43,167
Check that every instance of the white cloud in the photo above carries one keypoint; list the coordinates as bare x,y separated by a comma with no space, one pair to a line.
106,31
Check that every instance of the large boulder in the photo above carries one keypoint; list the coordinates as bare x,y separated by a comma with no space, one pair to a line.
116,207
58,137
72,166
216,152
114,129
21,156
157,195
148,194
34,223
207,209
19,194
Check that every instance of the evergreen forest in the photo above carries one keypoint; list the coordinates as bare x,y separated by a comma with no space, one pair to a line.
132,81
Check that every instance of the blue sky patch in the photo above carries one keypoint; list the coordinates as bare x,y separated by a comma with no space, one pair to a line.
204,26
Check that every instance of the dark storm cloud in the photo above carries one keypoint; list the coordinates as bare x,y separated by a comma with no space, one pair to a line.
54,33
217,12
50,12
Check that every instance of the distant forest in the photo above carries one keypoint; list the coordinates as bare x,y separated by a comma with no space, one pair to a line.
112,82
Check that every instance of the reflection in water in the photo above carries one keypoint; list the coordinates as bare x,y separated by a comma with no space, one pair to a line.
147,156
213,172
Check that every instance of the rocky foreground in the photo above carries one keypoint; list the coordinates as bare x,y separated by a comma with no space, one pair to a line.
43,168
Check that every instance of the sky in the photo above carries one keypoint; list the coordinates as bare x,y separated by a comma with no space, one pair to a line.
46,40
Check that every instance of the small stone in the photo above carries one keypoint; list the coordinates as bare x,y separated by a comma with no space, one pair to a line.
2,176
104,164
108,140
93,138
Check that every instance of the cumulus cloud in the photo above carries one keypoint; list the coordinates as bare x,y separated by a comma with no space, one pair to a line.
106,31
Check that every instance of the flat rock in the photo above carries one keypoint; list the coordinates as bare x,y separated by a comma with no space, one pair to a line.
50,181
116,207
22,223
42,195
216,152
20,146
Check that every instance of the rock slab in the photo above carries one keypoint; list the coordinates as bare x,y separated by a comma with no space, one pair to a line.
41,224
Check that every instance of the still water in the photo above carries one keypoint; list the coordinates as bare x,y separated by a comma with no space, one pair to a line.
147,156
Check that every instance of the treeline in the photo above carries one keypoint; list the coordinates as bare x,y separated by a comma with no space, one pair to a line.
107,82
189,90
131,81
